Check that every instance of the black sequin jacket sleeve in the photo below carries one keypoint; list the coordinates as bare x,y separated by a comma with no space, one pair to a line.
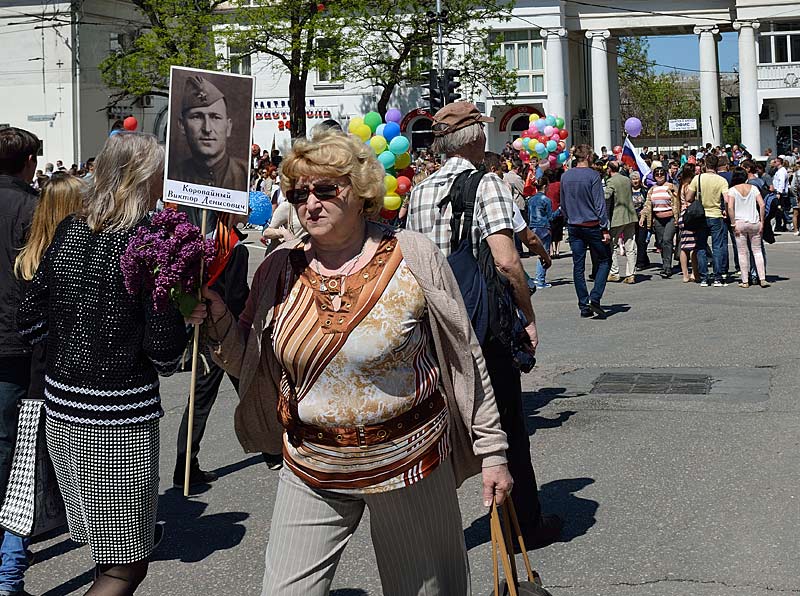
105,347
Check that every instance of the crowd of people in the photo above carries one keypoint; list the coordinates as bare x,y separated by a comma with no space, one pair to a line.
347,347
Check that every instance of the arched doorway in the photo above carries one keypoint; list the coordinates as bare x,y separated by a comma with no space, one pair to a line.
519,125
421,133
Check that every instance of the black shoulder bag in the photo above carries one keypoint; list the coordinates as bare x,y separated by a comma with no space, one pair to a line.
694,218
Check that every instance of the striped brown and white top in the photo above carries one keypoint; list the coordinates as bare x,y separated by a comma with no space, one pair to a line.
364,364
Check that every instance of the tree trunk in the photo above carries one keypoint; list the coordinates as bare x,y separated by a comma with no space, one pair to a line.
386,95
297,105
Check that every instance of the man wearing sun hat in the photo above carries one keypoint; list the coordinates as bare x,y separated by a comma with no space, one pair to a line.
458,134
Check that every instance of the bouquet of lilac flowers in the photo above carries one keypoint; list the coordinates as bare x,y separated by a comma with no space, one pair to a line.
163,258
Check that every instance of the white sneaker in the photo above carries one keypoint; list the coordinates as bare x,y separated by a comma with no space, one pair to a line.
704,284
719,284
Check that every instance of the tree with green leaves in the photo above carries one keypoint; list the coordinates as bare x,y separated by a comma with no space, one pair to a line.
652,97
299,36
398,43
177,33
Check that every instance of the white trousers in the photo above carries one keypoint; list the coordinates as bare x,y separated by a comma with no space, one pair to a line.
628,232
416,532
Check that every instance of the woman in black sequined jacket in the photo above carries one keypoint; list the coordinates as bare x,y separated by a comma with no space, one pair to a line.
105,350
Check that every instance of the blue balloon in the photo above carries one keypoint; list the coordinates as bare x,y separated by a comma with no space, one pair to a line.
260,208
540,148
551,146
387,158
391,130
541,124
114,132
563,156
525,142
550,121
379,130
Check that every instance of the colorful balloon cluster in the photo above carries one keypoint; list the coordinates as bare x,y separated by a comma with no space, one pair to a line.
545,138
392,149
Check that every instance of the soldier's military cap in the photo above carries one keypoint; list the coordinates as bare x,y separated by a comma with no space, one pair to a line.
199,93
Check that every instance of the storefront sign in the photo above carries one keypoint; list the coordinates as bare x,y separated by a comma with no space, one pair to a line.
683,124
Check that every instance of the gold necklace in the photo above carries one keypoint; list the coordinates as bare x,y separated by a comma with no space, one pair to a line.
330,282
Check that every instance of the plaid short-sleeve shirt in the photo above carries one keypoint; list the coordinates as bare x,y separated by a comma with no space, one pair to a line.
493,206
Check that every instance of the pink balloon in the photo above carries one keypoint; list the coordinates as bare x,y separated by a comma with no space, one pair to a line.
555,137
517,144
548,131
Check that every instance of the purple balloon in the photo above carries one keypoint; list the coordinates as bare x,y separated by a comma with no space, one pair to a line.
394,115
633,126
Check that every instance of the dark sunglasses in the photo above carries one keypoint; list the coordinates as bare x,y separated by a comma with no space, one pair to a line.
323,192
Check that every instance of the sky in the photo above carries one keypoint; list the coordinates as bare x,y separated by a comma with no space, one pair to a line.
682,51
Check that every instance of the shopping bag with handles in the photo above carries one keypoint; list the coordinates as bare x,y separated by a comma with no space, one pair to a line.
503,554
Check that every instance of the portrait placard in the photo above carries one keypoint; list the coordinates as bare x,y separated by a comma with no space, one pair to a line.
209,138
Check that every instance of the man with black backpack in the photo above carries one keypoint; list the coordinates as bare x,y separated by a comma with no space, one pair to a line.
469,215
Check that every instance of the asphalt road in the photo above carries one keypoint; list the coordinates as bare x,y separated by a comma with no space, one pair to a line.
664,494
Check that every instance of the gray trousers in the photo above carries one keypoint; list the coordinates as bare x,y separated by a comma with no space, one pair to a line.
416,532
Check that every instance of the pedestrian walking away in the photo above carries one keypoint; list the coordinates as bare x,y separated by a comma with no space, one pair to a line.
618,191
18,200
460,136
105,348
746,213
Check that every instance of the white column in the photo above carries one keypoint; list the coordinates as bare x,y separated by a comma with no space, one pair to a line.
709,84
613,88
554,47
748,86
601,108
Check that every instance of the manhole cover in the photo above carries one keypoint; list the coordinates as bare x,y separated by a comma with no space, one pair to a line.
660,383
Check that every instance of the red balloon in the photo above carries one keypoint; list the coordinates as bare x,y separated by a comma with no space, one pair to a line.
543,139
408,173
130,123
386,214
563,133
526,134
403,185
524,156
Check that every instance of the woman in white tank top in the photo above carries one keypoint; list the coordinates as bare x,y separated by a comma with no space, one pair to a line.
746,210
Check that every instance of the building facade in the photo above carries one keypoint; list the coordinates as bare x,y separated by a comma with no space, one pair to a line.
564,55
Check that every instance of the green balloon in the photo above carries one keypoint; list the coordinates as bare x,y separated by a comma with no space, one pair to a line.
559,122
373,120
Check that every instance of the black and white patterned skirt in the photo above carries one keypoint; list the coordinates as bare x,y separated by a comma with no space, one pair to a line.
109,479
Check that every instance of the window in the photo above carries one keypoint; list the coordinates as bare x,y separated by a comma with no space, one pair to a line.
330,69
779,43
239,60
524,53
787,137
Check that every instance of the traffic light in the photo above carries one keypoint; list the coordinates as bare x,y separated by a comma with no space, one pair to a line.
434,86
450,84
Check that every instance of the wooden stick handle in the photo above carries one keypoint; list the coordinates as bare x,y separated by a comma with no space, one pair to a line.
497,531
193,383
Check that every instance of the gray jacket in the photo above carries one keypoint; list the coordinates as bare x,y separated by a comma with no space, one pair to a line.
476,437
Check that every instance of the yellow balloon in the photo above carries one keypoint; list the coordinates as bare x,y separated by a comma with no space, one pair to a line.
378,144
392,201
533,117
363,132
354,123
402,162
390,182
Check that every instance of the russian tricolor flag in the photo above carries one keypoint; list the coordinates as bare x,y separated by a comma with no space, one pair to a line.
632,158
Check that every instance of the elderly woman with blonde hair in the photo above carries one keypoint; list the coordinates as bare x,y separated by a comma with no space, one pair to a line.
356,358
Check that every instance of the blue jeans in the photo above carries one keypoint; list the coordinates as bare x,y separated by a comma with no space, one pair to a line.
582,239
716,228
14,380
546,238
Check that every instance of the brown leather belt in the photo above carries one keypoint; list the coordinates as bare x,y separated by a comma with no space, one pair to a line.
370,434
